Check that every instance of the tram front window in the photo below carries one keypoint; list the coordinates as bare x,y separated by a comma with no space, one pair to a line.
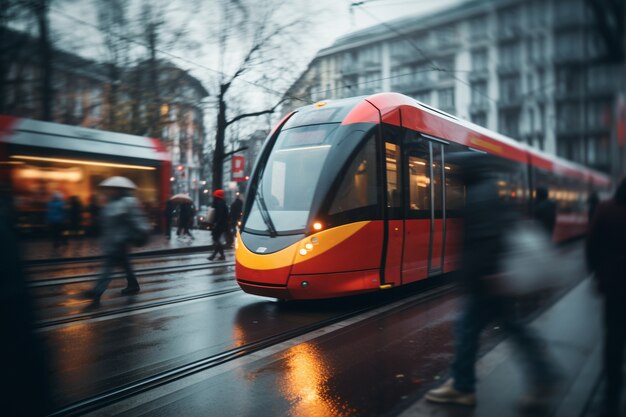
289,178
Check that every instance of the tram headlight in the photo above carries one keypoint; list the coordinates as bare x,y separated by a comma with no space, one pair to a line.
303,251
317,226
308,246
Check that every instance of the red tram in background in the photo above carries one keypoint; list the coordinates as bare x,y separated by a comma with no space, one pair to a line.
48,157
363,194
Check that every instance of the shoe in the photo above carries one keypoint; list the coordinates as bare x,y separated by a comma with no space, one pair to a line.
210,258
130,290
222,258
447,394
539,397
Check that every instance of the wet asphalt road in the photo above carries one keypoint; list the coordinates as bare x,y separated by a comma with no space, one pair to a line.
373,367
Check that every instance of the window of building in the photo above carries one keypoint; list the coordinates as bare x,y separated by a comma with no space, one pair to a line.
569,45
422,73
480,60
424,97
446,99
445,68
479,28
510,55
480,118
446,36
509,21
479,93
568,117
568,81
569,11
509,123
510,88
370,55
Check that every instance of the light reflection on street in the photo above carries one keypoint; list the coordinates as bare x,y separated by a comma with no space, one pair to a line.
306,384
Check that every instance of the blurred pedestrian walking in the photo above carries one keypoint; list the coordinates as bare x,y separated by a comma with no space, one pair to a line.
168,214
56,220
94,216
219,224
123,223
606,257
234,216
545,210
486,221
185,219
76,216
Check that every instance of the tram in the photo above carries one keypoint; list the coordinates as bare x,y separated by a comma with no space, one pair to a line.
46,157
363,194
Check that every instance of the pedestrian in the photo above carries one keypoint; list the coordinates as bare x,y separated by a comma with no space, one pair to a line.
544,210
185,219
486,220
236,209
219,224
94,215
168,213
592,204
76,215
123,223
56,218
606,257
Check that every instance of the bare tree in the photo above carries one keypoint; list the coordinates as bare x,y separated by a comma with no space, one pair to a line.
261,33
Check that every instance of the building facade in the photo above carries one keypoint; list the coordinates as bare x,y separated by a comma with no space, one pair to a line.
534,70
84,94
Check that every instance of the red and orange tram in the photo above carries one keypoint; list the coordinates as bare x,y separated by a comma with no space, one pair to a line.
363,194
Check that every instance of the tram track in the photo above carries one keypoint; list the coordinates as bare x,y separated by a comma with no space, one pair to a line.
73,279
44,324
127,390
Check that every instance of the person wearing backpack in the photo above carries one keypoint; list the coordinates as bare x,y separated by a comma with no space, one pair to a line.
123,223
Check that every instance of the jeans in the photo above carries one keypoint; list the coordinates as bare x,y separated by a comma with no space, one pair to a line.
110,262
477,312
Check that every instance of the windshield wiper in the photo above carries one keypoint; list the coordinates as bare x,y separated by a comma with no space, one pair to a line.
265,214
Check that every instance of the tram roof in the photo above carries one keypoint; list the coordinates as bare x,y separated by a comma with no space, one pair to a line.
47,135
398,109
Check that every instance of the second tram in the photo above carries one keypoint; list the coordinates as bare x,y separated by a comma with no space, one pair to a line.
362,194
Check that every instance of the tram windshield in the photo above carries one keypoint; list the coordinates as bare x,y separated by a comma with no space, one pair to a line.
286,185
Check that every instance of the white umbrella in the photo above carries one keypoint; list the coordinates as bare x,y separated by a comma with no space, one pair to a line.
181,198
118,182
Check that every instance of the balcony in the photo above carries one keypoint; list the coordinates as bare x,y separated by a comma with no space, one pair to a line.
479,106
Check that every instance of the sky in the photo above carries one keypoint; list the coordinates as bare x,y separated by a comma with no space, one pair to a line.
74,23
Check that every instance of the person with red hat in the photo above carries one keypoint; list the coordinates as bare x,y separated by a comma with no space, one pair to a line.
219,225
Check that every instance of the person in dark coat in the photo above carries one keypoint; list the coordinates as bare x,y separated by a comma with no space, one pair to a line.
592,204
545,210
486,220
236,209
220,224
76,215
168,214
606,257
56,218
94,216
185,219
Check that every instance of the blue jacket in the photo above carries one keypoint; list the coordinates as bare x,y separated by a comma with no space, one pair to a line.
56,212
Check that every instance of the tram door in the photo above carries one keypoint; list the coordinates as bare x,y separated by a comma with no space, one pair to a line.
424,209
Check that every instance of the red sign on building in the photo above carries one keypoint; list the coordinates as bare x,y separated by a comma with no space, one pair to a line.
238,163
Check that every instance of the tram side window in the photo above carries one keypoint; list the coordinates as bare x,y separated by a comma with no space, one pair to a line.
419,184
393,160
455,189
359,186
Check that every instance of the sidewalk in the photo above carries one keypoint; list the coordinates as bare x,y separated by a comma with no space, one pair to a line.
86,248
572,329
